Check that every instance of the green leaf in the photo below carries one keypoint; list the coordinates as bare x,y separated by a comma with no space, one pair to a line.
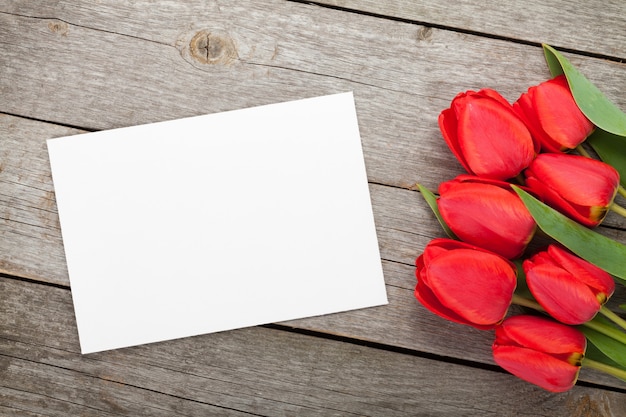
599,109
589,245
611,149
522,286
553,63
614,350
432,202
594,353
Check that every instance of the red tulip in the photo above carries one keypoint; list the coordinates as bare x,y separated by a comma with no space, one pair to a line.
569,288
552,115
579,187
464,283
486,213
540,351
486,136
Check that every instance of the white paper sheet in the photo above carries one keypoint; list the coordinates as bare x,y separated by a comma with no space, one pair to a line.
216,222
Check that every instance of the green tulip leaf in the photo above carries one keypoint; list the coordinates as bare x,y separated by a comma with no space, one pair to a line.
599,109
553,63
522,286
432,202
622,306
594,353
611,149
589,245
613,349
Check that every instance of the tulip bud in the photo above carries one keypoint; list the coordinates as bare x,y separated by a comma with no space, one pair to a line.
569,288
540,351
579,187
464,283
552,115
486,213
486,136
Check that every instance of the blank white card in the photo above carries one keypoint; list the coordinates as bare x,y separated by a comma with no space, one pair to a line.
216,222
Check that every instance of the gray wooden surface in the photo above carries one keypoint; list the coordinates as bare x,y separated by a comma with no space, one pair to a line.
71,66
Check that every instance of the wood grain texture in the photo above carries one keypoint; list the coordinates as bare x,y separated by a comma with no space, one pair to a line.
31,243
118,79
590,26
102,65
584,26
100,72
404,226
254,371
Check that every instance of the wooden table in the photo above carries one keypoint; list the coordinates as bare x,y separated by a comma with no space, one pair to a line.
72,66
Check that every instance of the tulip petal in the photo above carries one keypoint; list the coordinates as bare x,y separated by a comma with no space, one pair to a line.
476,285
600,110
493,94
541,334
555,200
559,116
564,297
464,207
523,107
580,187
485,128
425,295
448,126
579,180
437,247
584,271
429,300
537,367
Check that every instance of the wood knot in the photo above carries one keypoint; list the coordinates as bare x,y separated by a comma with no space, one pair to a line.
58,27
586,406
425,33
212,48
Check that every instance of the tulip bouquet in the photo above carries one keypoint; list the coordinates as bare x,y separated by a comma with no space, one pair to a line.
530,172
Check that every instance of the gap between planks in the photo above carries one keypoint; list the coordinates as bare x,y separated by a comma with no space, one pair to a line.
357,342
458,30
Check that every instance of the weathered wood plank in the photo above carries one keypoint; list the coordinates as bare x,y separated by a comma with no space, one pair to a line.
402,232
404,227
254,371
401,141
401,79
30,242
99,67
144,66
591,26
32,245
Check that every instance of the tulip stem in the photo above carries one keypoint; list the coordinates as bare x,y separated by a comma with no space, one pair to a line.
613,317
520,179
606,330
525,302
621,190
618,209
593,324
583,151
599,366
